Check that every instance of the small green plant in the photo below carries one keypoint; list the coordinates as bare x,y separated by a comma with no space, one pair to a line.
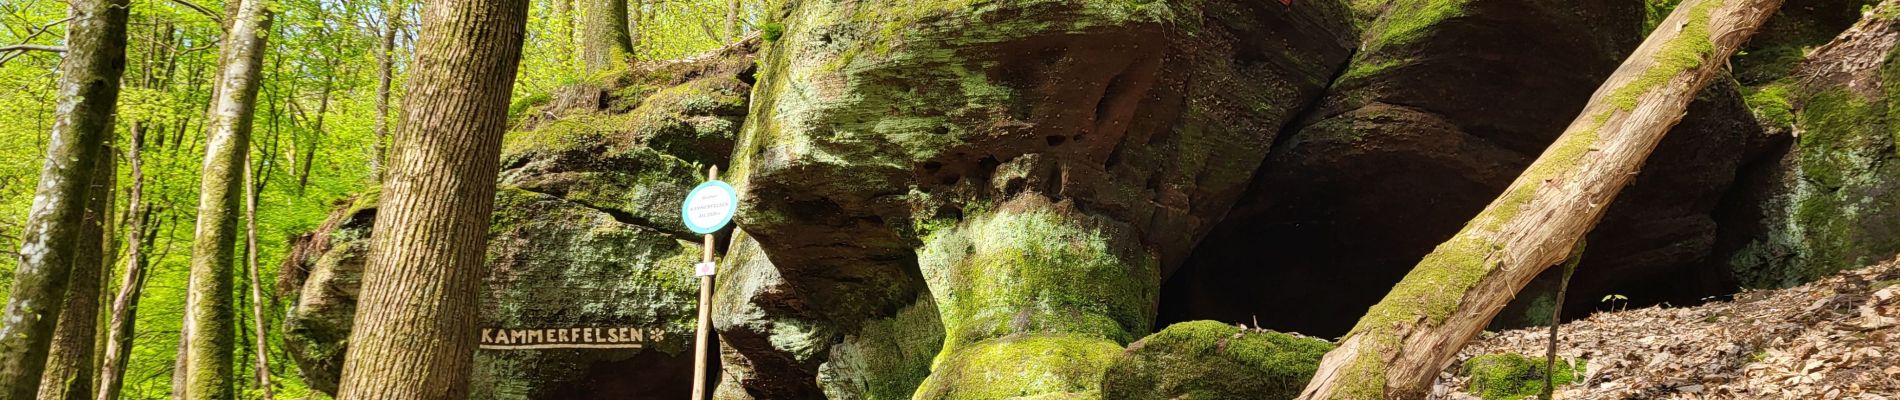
1615,300
773,31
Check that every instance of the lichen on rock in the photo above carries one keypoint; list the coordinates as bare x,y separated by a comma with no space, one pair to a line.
1832,202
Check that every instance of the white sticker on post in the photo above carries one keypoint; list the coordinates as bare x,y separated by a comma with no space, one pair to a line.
704,268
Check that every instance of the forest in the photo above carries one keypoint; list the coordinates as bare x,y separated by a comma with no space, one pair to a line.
950,199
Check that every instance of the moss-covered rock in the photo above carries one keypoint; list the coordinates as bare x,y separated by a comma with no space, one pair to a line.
776,350
584,235
1211,360
321,278
1057,289
881,127
1508,376
555,264
1022,366
1833,200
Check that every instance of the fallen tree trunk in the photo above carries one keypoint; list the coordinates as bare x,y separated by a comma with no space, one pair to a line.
1403,342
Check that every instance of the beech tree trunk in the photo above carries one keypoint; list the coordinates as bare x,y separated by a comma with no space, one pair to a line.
88,92
69,365
210,337
125,305
603,32
414,333
1403,342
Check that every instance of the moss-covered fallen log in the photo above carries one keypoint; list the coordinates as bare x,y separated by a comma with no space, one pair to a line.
1403,342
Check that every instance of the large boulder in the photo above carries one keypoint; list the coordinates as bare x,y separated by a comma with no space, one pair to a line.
1444,105
903,157
778,348
1208,360
590,291
1831,198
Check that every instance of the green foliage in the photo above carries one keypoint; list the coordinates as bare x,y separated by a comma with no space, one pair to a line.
1654,11
773,31
1515,376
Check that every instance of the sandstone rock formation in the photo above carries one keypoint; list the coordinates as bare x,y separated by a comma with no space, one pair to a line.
585,235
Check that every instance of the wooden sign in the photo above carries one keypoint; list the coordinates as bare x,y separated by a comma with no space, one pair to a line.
569,338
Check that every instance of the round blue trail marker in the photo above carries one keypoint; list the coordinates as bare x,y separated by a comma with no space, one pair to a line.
709,207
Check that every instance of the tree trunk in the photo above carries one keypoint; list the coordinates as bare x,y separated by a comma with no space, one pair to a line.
208,311
732,21
385,73
88,91
603,31
1403,342
634,10
125,305
257,297
69,365
310,155
426,255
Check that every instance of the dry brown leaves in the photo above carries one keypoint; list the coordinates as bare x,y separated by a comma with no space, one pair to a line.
1837,338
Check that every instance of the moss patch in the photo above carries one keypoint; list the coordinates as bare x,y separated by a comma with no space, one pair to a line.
1030,280
1214,360
1771,104
1514,376
1023,366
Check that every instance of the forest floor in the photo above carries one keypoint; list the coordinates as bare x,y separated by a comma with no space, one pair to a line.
1837,338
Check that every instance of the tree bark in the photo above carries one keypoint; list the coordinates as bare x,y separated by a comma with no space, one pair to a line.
88,92
208,312
603,31
414,333
1403,342
69,365
732,21
257,298
634,10
125,305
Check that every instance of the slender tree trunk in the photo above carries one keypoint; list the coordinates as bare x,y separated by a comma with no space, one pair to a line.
125,305
1557,321
385,74
181,362
426,255
1403,342
310,155
88,91
209,315
69,365
257,297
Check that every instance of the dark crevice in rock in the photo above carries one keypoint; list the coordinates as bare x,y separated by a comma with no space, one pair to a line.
618,215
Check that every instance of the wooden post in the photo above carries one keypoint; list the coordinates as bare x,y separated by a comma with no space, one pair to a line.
703,336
